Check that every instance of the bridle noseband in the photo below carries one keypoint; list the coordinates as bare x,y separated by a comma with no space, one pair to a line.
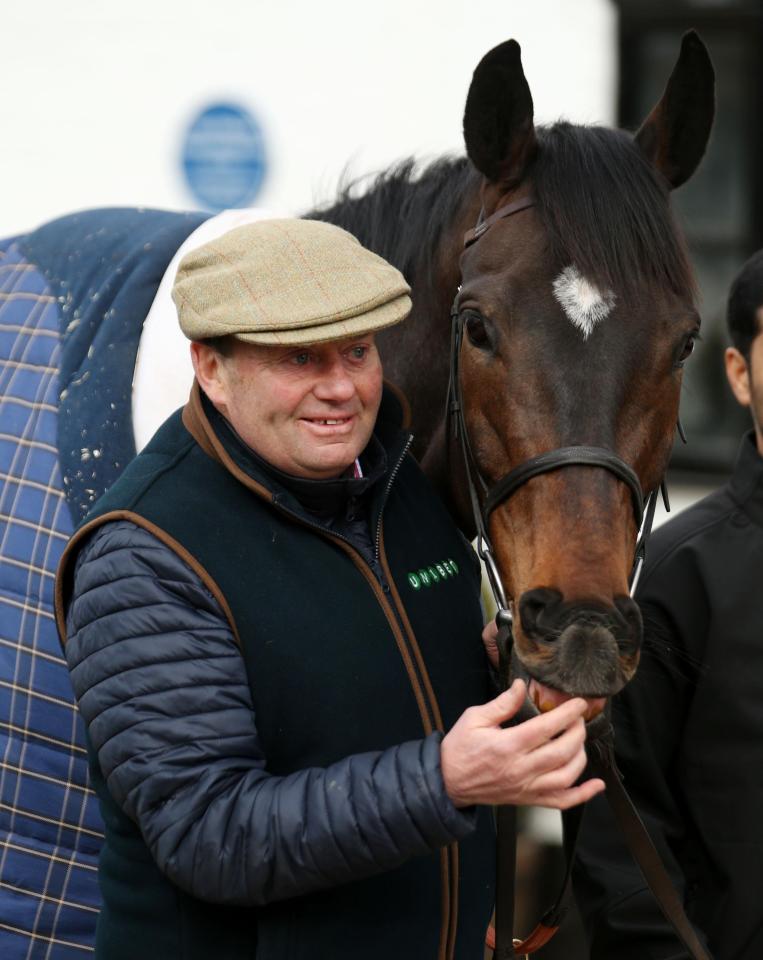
488,498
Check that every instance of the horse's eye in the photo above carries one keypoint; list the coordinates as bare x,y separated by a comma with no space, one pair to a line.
476,330
688,348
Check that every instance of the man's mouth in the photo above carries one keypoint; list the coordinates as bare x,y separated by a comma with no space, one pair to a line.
330,424
546,698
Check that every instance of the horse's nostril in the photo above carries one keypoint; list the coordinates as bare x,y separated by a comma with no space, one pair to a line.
545,616
536,608
629,611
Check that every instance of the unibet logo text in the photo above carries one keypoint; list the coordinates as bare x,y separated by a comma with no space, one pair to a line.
436,573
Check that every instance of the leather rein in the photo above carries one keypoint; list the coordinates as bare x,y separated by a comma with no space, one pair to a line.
484,499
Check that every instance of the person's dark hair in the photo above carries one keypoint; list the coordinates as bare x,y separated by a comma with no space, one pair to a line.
745,299
222,345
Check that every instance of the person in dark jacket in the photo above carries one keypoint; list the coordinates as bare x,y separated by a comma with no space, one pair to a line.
689,728
271,622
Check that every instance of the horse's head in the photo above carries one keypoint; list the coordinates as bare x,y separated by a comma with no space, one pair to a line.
578,314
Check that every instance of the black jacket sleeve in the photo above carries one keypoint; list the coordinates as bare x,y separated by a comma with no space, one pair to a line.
620,914
164,694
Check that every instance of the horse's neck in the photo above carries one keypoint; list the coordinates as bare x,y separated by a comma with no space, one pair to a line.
415,353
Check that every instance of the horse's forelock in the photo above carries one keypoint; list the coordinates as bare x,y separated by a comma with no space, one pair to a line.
606,211
604,207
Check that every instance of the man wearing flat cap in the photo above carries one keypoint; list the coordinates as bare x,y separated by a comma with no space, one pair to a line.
270,622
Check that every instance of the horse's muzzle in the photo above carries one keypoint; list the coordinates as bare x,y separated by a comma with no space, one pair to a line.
580,648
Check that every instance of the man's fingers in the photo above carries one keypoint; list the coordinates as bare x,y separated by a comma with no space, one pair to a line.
504,706
482,763
561,776
489,639
545,727
553,754
564,799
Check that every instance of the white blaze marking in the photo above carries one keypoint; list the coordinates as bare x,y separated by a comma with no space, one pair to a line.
583,303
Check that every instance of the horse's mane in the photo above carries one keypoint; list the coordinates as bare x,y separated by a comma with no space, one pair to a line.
604,206
402,212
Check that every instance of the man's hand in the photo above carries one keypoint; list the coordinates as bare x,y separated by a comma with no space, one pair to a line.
537,762
489,639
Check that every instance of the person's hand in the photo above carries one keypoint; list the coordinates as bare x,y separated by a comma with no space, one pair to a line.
489,636
537,762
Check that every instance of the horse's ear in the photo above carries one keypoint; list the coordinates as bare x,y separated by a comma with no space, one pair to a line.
498,118
675,133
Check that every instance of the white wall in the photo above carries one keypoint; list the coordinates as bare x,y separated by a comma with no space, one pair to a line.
97,94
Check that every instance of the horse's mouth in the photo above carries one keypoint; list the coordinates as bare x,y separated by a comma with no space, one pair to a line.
541,698
545,698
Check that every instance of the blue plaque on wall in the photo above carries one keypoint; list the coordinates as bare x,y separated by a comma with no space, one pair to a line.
224,157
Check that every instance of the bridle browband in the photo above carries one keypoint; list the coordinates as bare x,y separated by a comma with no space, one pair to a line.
484,223
484,502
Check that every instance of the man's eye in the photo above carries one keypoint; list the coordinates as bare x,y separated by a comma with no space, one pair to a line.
301,359
359,352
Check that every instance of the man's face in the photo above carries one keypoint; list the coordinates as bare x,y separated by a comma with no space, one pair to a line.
756,387
307,410
746,379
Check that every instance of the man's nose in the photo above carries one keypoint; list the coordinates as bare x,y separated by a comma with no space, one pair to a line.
334,383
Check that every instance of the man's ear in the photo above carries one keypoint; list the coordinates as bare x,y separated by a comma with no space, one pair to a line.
208,365
738,374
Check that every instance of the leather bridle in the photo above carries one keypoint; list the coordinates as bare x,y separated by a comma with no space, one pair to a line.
484,499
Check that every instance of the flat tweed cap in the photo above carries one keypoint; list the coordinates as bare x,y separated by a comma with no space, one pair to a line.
287,282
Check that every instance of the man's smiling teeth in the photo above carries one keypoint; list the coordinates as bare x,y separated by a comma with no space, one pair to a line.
330,423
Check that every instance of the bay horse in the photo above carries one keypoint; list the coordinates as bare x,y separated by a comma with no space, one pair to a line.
576,313
573,313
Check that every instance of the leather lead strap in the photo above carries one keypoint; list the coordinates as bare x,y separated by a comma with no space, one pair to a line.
500,938
506,823
643,850
553,917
